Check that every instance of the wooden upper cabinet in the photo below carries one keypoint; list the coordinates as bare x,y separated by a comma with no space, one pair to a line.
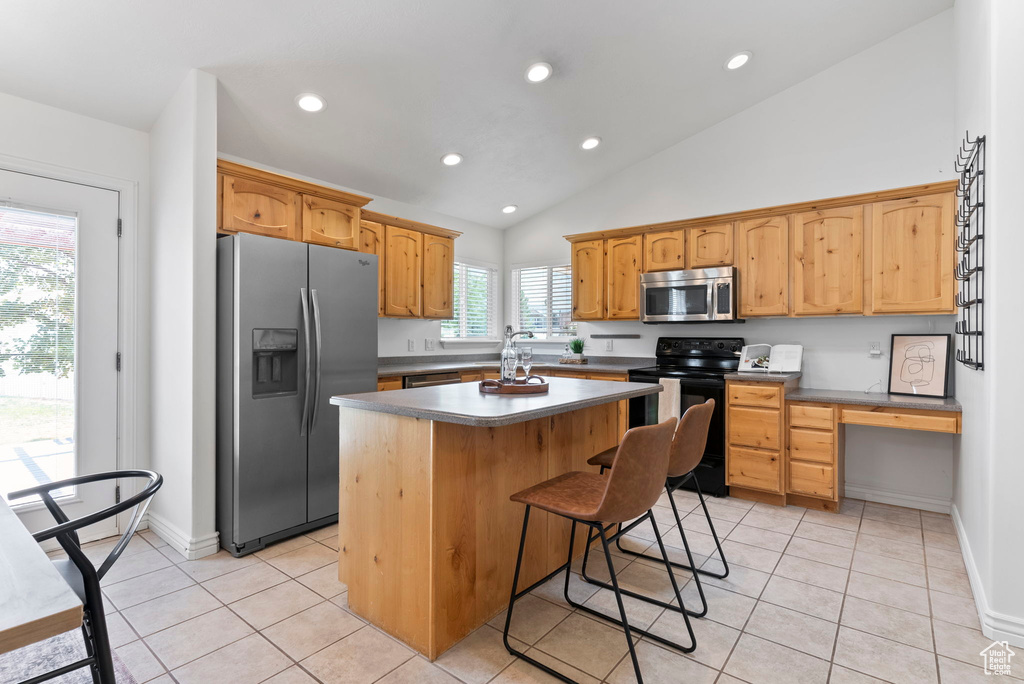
827,261
763,255
912,255
371,241
253,207
664,251
709,246
329,222
588,280
438,276
622,275
403,272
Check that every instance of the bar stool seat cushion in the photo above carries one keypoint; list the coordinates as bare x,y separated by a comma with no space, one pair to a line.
603,459
574,495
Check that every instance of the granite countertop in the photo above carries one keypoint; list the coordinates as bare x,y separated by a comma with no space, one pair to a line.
874,399
598,365
763,377
464,404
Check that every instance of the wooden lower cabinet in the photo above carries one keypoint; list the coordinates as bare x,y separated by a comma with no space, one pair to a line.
815,453
754,468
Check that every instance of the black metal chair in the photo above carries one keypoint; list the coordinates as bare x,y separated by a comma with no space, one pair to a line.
79,572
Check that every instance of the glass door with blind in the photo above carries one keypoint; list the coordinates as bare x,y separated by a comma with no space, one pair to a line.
58,343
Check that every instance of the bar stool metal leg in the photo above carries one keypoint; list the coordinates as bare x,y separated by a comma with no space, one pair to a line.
679,525
614,586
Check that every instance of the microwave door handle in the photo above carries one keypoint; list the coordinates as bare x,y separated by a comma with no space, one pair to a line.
712,296
305,327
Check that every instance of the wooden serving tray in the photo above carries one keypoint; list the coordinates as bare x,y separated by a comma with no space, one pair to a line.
524,386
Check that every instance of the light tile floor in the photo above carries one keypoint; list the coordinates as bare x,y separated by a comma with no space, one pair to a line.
875,593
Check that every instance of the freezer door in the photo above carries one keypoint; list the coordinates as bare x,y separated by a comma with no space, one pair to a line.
343,287
270,442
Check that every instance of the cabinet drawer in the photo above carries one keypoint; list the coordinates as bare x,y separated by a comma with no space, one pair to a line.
754,427
755,395
754,469
471,376
907,421
819,417
614,377
392,383
812,479
811,445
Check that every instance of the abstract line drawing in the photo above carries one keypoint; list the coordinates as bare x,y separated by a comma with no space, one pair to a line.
917,368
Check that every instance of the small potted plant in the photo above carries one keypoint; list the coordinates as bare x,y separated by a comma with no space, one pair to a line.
576,345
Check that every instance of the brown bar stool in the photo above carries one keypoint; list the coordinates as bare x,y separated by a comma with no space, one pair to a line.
630,490
688,444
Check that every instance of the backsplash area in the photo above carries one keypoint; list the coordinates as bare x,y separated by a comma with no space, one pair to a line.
835,348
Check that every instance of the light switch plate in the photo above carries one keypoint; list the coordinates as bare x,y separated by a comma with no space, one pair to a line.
608,345
428,344
412,345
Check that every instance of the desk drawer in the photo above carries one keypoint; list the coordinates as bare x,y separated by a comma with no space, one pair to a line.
754,469
755,427
899,419
818,417
811,479
811,445
761,394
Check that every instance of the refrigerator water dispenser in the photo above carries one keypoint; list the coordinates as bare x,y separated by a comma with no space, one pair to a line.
275,362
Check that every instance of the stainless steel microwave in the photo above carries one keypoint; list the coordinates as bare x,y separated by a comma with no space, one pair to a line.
699,295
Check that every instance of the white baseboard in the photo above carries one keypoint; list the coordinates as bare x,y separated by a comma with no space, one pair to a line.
994,625
188,547
898,498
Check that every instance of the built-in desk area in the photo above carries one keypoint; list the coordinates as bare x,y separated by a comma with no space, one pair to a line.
786,444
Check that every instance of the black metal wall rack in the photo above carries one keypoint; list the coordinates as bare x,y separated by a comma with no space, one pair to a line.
970,247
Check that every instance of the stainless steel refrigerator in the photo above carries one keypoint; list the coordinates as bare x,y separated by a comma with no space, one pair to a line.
296,324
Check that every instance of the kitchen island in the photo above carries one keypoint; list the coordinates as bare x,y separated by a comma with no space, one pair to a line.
427,536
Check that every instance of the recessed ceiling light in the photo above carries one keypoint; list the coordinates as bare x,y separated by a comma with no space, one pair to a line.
451,159
311,102
539,72
509,209
738,60
590,143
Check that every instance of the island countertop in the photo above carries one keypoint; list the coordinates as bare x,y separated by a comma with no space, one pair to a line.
464,404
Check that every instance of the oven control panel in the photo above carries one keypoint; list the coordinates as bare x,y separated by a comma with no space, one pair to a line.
699,346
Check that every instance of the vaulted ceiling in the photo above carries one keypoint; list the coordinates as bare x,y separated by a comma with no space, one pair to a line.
407,81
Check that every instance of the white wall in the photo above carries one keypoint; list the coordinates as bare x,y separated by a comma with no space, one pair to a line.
478,242
881,119
34,134
987,500
183,218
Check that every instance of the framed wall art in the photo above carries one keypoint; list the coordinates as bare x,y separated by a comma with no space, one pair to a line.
919,365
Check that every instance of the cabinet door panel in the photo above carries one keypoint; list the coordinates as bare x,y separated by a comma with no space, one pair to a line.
664,251
259,208
827,263
812,479
754,468
371,241
709,246
754,427
588,280
763,254
328,222
623,275
912,255
438,276
403,272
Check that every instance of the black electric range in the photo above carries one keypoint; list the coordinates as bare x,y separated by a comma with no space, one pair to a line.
700,364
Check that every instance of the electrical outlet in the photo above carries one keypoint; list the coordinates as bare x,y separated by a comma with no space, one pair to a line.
428,344
412,345
874,349
608,345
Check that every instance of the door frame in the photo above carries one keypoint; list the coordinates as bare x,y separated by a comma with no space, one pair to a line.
129,382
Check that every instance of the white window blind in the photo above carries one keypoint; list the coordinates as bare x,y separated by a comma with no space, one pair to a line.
544,300
474,305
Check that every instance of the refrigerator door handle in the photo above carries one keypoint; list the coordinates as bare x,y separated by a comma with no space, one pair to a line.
305,325
319,357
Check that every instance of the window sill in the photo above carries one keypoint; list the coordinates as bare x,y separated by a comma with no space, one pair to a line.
468,342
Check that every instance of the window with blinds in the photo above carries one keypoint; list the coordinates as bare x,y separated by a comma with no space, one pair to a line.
544,303
474,307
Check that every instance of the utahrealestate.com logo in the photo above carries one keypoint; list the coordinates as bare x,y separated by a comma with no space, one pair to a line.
997,658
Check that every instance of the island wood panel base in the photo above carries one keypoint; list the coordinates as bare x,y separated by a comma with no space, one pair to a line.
427,534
